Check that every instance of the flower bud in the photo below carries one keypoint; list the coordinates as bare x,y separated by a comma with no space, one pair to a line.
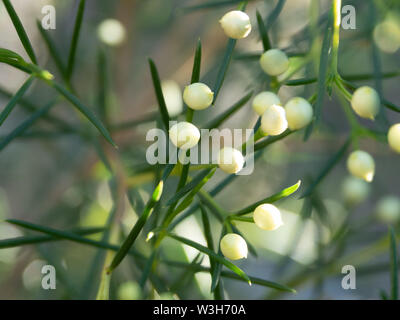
387,34
355,190
264,100
365,102
361,165
299,113
273,121
394,137
173,97
274,62
198,96
236,24
230,160
388,209
233,246
267,217
111,32
184,135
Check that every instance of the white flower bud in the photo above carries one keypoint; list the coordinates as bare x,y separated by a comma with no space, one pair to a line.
198,96
111,32
173,97
264,100
274,62
230,160
184,135
394,137
299,113
387,34
365,102
355,190
233,246
361,165
236,24
273,121
388,209
267,217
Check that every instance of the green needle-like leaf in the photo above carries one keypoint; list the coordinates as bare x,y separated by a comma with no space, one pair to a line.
327,168
196,64
88,113
188,187
52,49
14,100
25,125
160,97
126,246
20,30
277,196
275,13
28,240
218,120
394,265
75,38
213,255
263,32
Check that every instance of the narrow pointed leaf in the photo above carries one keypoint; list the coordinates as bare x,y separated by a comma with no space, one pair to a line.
333,160
20,30
218,120
52,49
75,38
212,255
126,246
25,125
159,94
14,100
277,196
263,32
275,13
394,266
188,187
88,113
196,64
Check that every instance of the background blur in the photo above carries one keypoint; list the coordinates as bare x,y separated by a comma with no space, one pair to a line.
57,179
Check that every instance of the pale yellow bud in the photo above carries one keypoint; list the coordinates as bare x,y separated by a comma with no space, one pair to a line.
365,102
267,217
273,121
236,24
173,97
198,96
274,62
299,113
361,165
128,291
184,135
388,209
111,32
230,160
233,246
387,34
394,137
264,100
355,190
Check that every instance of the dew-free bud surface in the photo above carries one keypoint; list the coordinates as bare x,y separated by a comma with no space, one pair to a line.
274,62
233,246
299,113
184,135
267,217
361,165
236,24
273,121
198,96
365,102
263,100
230,160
